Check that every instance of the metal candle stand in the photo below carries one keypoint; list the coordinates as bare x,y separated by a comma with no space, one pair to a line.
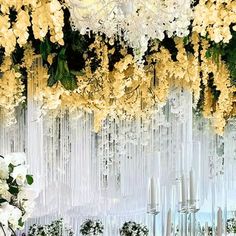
188,210
154,212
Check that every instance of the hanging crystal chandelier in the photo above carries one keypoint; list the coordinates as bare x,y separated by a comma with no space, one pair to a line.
136,21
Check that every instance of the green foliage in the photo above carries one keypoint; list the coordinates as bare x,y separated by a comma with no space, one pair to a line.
45,49
20,222
11,168
14,190
62,73
229,56
29,179
2,200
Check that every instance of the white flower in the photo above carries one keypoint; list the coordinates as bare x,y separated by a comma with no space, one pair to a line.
27,193
9,214
4,213
29,208
19,174
7,196
15,216
3,187
3,169
54,6
15,158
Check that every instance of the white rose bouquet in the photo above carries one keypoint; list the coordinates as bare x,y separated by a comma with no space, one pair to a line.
16,196
133,229
92,227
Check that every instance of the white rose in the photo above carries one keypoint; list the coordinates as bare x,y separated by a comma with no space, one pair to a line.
7,196
15,158
27,193
9,214
15,216
4,172
5,213
29,208
19,174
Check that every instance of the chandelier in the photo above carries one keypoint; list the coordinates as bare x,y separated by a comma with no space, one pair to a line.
137,21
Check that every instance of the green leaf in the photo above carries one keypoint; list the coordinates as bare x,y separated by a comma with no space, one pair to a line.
2,200
20,222
14,190
208,53
45,49
11,168
29,179
69,82
62,73
186,40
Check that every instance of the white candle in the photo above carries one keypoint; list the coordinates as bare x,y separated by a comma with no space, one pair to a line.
152,195
191,187
168,225
158,194
206,229
219,222
183,191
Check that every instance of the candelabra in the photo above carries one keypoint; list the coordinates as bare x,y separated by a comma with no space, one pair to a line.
153,202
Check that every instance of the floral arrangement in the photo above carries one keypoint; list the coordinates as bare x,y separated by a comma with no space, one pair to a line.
92,227
56,228
231,225
133,229
16,196
100,74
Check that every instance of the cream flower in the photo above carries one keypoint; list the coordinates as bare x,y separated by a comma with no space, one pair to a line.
15,158
5,212
14,217
3,187
3,169
19,174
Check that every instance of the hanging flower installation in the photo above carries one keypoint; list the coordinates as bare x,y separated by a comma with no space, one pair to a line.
11,89
129,90
16,197
121,76
137,21
15,21
217,19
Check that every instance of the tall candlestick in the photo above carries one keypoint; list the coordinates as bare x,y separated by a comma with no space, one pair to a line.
152,195
206,229
219,223
168,225
183,191
191,188
158,195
